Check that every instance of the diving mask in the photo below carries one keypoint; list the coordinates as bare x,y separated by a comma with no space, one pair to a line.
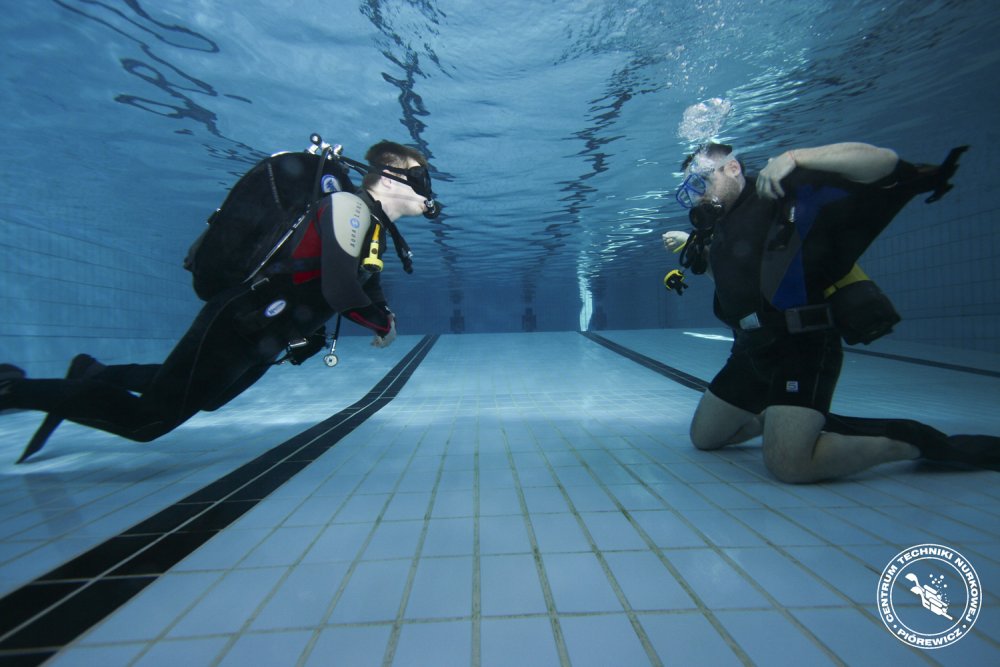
698,169
419,179
691,190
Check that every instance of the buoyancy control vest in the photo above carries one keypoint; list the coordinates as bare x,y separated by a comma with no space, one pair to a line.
852,303
841,219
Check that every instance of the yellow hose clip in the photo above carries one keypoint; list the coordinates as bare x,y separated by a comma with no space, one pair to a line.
674,280
372,263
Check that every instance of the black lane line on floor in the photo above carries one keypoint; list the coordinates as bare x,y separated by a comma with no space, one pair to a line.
926,362
699,384
45,615
689,381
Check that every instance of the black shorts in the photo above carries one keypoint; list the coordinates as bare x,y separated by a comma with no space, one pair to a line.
800,370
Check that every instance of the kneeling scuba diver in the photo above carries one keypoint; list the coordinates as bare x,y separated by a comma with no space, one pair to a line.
851,302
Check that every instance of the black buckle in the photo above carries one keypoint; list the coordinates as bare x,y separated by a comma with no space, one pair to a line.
809,318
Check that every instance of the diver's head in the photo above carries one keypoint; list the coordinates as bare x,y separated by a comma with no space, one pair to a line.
713,176
400,179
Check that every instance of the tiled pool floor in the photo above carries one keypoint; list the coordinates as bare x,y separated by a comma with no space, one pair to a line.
523,499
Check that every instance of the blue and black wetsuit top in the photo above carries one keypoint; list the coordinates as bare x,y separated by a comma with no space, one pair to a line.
771,255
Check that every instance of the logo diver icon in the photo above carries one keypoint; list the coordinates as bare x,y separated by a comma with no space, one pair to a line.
929,597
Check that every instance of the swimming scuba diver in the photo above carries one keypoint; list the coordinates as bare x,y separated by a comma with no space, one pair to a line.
782,249
327,262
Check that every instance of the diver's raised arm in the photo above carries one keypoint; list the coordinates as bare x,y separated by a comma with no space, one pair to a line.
854,161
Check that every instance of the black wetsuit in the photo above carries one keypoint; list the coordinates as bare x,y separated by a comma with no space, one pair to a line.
233,341
763,266
768,256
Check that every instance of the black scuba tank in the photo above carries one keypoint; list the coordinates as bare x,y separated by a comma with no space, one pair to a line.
248,232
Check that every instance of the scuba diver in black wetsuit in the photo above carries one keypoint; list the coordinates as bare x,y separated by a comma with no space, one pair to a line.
329,265
782,250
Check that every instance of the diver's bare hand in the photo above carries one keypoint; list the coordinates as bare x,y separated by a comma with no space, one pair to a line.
386,340
769,178
674,241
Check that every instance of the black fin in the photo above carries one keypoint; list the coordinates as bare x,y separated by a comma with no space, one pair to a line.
944,173
49,425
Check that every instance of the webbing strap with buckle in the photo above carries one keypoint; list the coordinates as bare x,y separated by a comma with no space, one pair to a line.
794,320
809,318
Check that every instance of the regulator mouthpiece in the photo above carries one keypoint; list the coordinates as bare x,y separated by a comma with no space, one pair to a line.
707,214
433,209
